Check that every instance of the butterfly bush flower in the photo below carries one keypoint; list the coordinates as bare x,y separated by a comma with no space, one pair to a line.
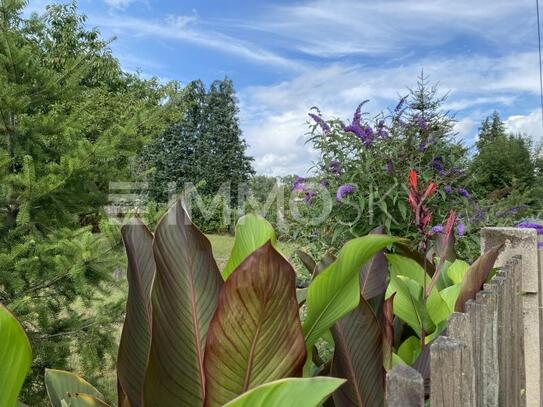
344,190
335,167
438,229
389,167
422,123
531,225
463,192
364,132
309,196
319,120
448,189
298,185
400,105
438,165
460,229
381,131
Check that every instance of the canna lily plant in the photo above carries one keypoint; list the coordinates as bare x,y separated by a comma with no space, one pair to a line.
198,336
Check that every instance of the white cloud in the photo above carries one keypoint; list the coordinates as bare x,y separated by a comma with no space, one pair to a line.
529,124
184,28
274,116
344,27
120,4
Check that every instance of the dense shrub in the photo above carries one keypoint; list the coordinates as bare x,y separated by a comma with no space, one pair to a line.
364,164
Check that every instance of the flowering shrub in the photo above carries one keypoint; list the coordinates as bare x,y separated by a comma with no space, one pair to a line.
364,162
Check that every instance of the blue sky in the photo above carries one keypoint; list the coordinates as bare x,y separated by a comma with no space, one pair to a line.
286,56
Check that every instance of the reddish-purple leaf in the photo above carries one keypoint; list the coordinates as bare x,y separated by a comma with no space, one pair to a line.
476,276
184,298
358,357
136,336
374,274
255,336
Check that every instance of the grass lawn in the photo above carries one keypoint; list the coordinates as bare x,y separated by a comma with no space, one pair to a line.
222,246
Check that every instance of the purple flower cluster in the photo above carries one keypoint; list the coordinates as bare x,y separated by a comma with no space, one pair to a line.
439,165
460,229
364,131
344,190
320,121
531,225
299,185
389,167
422,123
335,167
381,131
463,192
309,196
448,189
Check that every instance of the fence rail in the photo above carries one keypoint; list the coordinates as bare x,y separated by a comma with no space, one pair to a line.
480,362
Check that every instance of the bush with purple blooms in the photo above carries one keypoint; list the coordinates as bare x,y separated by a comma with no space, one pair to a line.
364,163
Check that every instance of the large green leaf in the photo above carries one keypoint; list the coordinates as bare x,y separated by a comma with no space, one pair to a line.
410,350
437,307
336,291
450,295
252,232
409,305
83,400
184,298
59,383
476,276
457,270
405,266
256,335
15,357
293,392
136,336
358,357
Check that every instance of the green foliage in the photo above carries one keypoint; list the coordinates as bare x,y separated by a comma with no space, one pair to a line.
59,383
374,156
307,392
71,122
203,147
15,358
252,232
503,162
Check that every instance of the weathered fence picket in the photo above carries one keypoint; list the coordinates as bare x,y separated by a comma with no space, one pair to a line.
405,387
481,362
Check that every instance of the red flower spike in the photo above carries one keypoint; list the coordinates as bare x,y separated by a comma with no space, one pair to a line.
413,180
429,191
450,223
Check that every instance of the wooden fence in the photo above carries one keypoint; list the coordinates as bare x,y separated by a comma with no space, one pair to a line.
480,362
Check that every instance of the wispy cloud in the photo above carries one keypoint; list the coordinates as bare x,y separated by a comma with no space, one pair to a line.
185,28
329,28
274,116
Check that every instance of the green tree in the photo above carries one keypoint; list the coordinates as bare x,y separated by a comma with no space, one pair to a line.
492,128
171,158
204,147
503,162
70,122
223,148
